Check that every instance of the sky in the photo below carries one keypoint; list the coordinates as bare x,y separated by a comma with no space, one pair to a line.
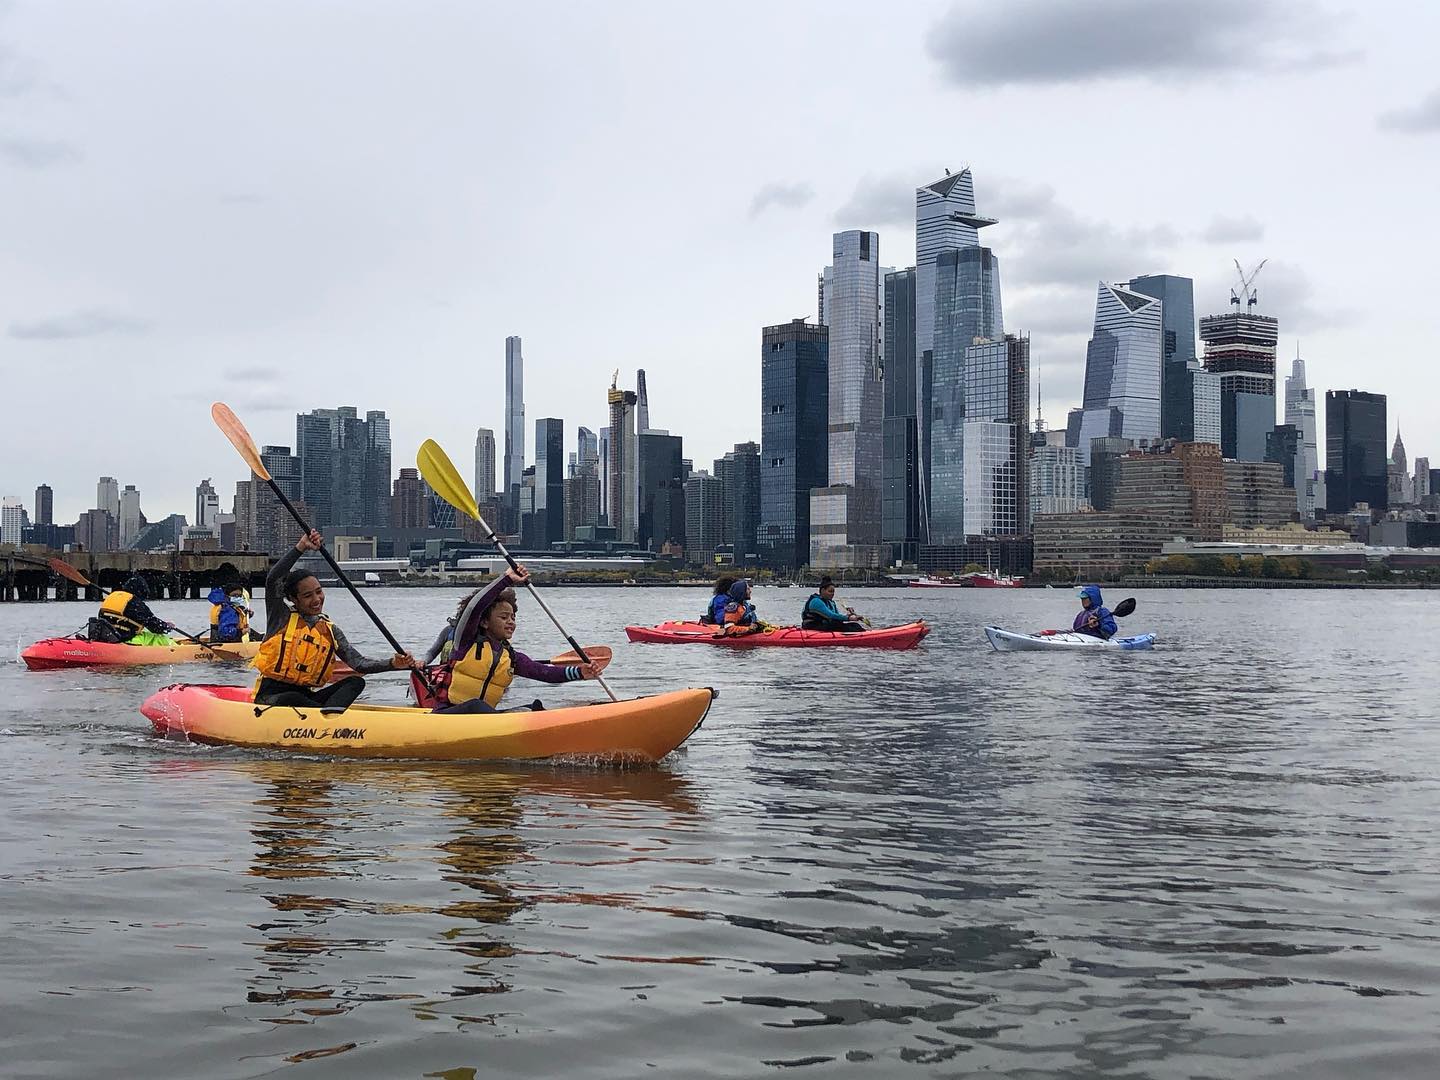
310,203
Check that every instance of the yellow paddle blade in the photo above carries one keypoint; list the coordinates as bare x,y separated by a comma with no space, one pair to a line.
442,476
239,438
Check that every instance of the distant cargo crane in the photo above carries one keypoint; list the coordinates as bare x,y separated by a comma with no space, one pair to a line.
1247,285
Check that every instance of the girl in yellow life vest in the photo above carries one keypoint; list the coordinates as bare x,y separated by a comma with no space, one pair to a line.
482,661
301,643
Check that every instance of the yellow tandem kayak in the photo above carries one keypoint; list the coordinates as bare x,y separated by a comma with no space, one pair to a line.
640,729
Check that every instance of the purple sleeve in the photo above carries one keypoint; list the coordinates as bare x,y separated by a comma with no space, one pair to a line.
543,672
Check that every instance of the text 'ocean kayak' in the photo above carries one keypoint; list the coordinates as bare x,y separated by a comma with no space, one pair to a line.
684,633
641,729
1006,641
80,652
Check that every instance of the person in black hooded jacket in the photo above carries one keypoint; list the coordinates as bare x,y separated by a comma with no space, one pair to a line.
126,615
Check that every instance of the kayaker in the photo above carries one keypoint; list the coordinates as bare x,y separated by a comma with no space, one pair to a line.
126,618
301,643
822,613
740,617
715,611
487,663
1093,617
229,617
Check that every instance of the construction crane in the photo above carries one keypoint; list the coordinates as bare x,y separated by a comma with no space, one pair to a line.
615,376
1247,285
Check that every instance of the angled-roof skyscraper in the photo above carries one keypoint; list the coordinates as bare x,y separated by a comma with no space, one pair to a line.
1122,371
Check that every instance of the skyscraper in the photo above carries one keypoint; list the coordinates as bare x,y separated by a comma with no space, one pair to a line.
484,464
1177,351
1422,478
1240,349
642,402
207,506
1355,429
662,490
946,221
549,481
45,505
12,517
1397,475
587,447
514,418
602,449
1054,485
624,480
1122,371
900,433
1300,414
794,447
410,507
107,497
739,470
845,515
131,519
344,466
704,517
996,432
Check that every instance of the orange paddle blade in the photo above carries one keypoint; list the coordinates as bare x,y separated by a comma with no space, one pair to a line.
65,570
239,438
598,653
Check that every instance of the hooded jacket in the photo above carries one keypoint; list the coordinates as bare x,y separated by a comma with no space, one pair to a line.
1107,627
136,612
227,621
739,609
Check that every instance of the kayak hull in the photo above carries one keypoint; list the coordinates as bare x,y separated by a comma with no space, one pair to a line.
686,633
1008,641
637,730
78,652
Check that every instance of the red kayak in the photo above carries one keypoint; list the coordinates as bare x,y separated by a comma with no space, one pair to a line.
684,633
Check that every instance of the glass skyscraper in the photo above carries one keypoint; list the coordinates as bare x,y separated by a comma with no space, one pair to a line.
549,481
1300,413
662,490
1355,458
900,464
945,221
845,515
1177,350
345,466
794,446
1122,370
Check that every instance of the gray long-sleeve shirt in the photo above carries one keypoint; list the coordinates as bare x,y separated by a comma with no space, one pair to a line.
277,614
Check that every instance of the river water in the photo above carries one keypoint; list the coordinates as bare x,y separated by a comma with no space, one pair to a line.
1214,860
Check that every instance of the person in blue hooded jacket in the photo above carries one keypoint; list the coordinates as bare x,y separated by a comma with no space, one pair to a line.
1094,618
740,617
229,617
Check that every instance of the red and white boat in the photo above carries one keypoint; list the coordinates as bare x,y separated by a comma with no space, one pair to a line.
982,579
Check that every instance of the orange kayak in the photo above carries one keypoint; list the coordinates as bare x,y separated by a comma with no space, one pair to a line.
78,652
640,729
680,633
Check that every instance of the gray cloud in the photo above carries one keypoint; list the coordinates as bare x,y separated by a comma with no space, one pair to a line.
78,324
888,199
37,153
785,196
1419,119
982,43
1232,230
252,373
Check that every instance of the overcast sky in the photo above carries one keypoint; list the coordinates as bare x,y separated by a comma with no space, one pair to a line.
302,204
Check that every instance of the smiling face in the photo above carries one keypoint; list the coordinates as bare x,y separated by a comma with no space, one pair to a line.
500,623
309,597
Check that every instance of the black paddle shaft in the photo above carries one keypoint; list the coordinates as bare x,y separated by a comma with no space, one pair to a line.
336,567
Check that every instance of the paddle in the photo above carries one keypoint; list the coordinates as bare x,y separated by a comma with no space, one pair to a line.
599,655
69,572
1123,608
239,438
442,476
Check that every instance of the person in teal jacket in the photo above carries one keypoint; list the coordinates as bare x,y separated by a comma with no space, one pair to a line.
822,613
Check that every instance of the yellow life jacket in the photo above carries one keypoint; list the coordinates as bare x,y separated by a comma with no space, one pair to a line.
112,610
299,654
484,672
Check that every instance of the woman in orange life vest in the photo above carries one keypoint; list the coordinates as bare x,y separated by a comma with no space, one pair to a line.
301,644
484,663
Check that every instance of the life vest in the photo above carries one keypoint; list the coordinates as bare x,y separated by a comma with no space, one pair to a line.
739,611
300,654
809,620
484,672
112,610
234,626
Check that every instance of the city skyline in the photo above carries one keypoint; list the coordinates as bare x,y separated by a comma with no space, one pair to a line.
211,290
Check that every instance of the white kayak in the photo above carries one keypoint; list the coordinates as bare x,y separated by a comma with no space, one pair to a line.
1008,641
